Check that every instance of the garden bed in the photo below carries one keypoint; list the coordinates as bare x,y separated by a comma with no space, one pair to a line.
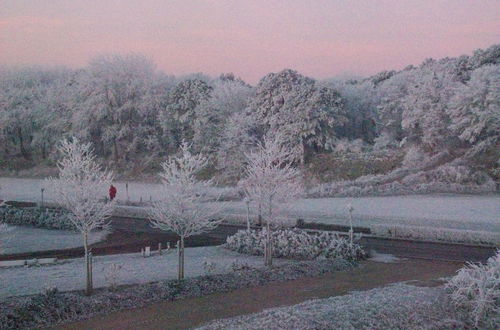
53,307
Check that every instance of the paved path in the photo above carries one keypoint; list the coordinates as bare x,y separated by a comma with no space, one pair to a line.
192,312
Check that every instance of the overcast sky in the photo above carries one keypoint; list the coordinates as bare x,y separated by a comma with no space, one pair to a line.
321,38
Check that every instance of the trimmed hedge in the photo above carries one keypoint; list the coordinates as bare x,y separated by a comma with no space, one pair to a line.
296,244
36,217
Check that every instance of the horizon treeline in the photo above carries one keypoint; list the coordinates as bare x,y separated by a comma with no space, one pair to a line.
135,115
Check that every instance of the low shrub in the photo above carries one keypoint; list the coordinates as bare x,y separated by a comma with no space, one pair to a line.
53,307
475,291
36,217
296,244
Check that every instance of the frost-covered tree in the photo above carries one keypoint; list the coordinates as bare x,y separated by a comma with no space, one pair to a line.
81,189
229,96
391,94
425,119
360,102
239,136
179,118
181,208
475,107
118,106
306,115
34,110
272,183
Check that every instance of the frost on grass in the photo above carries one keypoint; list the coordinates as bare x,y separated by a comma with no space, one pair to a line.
27,239
475,291
383,257
397,306
438,234
136,269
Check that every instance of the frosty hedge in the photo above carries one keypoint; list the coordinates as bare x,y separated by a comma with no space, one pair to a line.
36,217
54,307
296,244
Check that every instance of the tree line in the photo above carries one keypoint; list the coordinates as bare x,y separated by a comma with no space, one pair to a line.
133,113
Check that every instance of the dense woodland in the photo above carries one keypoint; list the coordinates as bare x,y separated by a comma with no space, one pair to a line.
135,116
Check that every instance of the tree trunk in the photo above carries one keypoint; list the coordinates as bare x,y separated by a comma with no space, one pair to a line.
115,148
269,243
268,253
88,265
181,258
44,151
22,149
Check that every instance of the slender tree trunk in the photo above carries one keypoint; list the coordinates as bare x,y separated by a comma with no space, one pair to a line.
269,243
181,258
44,151
248,215
22,149
269,250
88,288
115,148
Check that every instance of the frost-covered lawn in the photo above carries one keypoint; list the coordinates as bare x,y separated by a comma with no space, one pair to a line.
398,306
135,269
443,211
446,211
19,239
29,190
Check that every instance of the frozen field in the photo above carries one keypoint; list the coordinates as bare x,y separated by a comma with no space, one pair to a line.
29,190
27,239
446,211
70,274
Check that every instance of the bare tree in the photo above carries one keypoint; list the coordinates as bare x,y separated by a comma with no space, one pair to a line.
271,182
181,208
81,189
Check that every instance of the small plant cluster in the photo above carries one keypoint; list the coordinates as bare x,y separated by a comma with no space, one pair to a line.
36,217
296,244
53,307
475,291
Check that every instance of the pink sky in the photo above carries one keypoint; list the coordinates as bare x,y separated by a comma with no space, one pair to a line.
319,38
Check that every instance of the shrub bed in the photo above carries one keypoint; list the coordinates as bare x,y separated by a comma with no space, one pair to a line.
35,217
475,292
54,307
296,244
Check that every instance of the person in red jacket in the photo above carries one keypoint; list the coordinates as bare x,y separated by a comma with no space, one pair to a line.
112,192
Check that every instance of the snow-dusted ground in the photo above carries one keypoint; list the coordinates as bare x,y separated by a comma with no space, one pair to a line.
397,306
70,274
444,211
30,190
19,239
447,211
